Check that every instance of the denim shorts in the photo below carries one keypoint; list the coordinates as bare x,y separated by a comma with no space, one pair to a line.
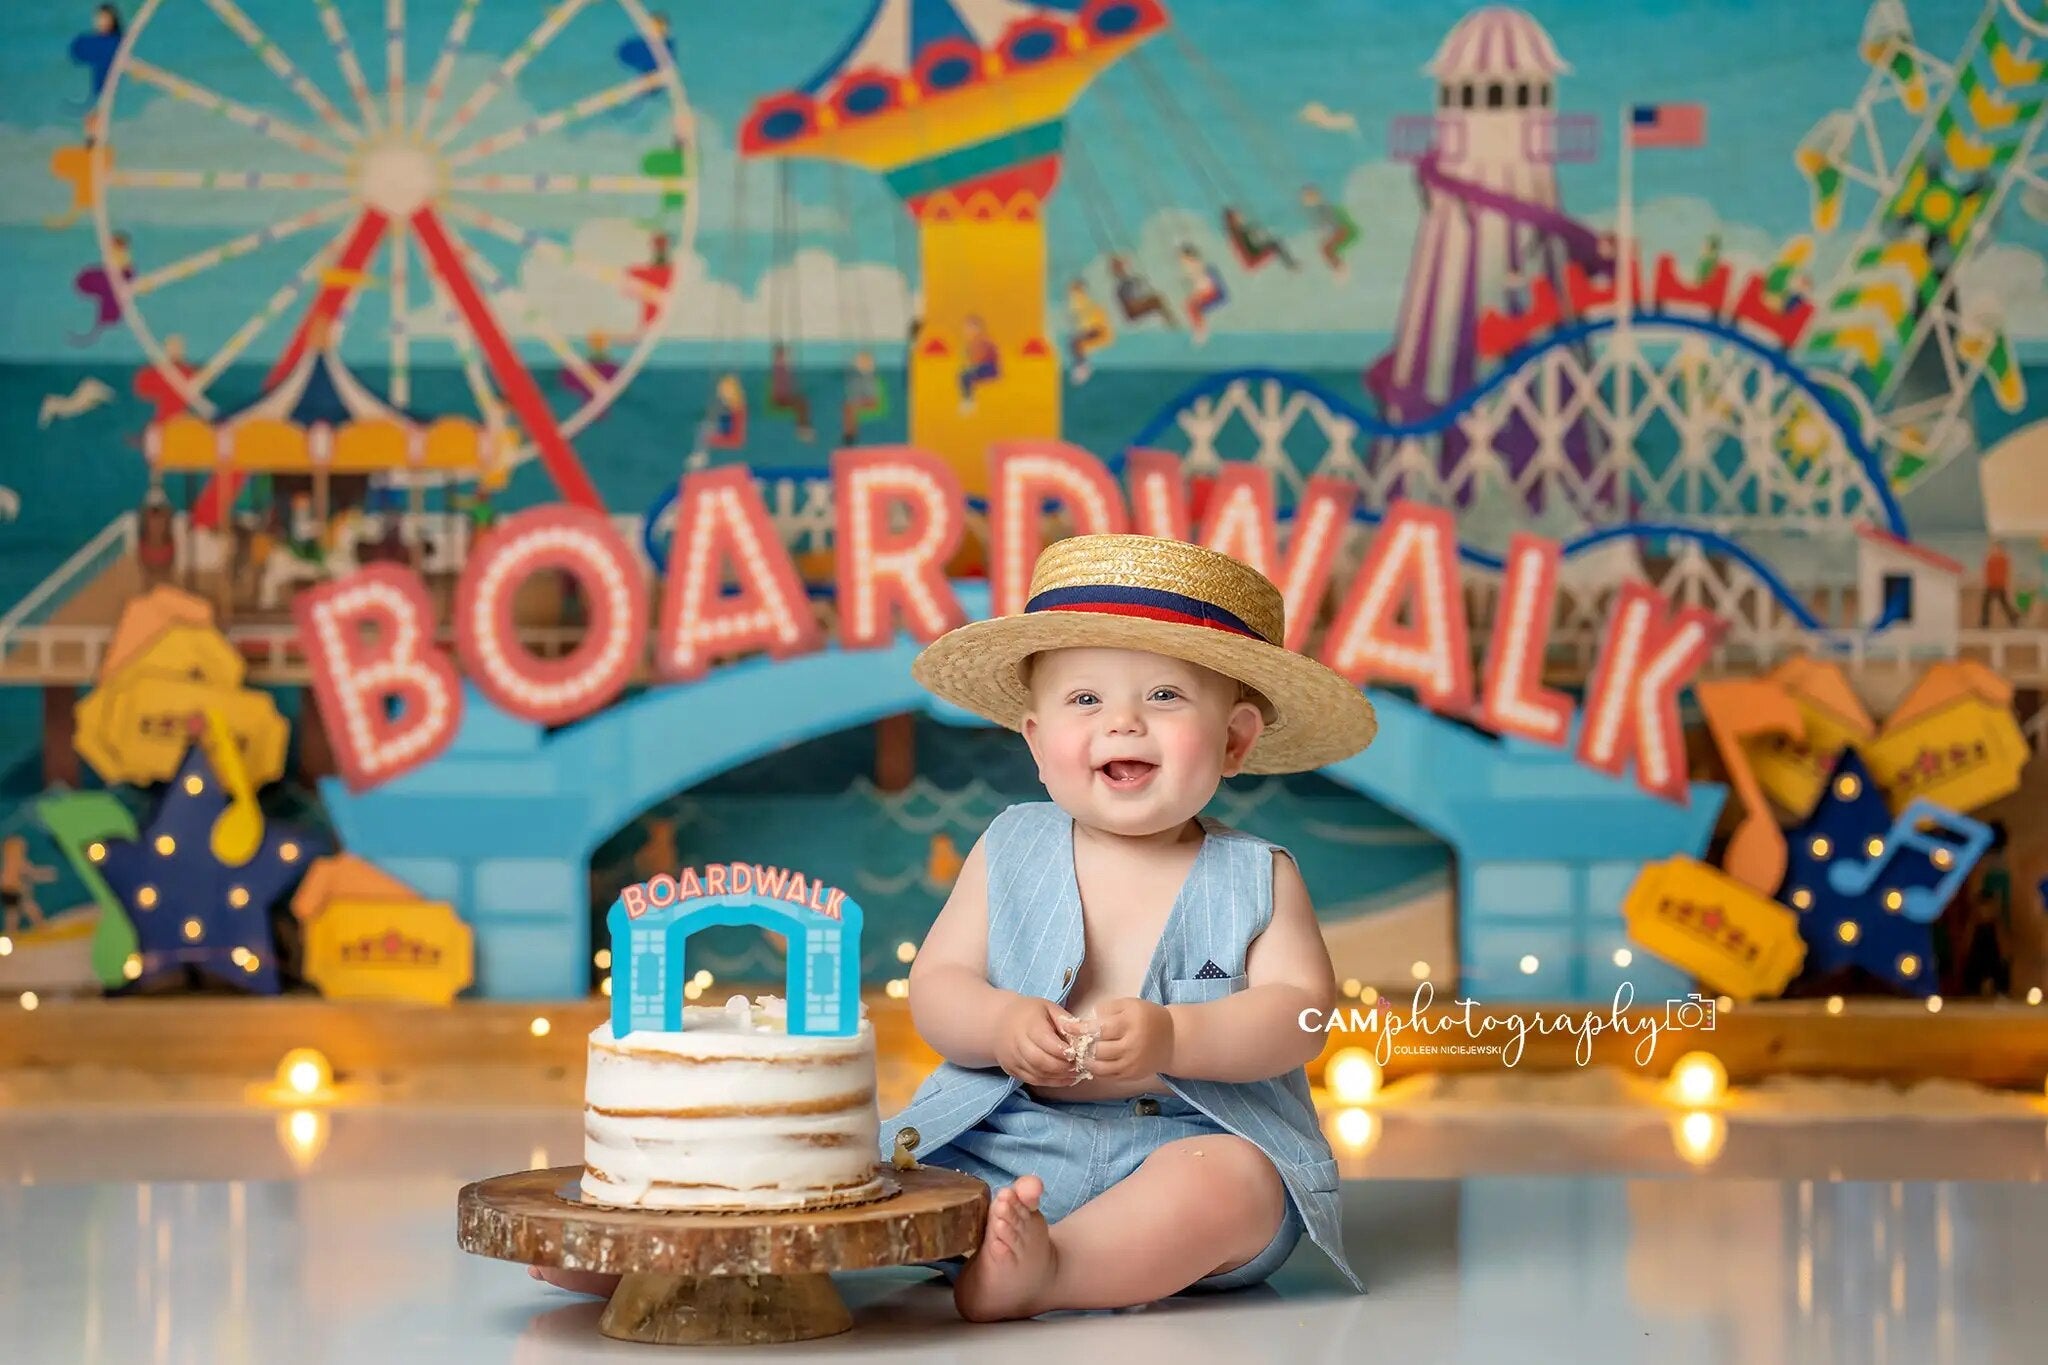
1080,1148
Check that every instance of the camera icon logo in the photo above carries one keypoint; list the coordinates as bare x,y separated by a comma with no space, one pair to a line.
1693,1012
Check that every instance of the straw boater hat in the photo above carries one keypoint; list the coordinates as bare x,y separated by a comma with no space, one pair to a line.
1164,597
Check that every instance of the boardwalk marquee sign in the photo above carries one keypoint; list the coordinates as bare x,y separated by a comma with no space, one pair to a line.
392,698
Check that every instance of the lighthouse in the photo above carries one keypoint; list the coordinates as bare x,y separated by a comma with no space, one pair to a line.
1491,218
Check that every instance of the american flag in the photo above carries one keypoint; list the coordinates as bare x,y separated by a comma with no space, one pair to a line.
1667,125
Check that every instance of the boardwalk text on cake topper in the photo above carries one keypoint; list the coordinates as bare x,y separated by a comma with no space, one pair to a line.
732,879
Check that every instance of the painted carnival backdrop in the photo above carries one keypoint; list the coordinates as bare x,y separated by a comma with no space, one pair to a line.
1736,306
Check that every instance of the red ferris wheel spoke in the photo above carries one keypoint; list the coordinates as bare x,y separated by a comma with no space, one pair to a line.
219,494
444,256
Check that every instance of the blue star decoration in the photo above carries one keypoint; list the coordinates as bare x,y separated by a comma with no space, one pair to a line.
1867,886
188,906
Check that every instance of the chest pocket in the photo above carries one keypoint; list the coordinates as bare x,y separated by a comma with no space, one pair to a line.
1193,990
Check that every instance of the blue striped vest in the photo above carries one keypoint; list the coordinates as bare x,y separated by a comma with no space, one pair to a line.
1034,948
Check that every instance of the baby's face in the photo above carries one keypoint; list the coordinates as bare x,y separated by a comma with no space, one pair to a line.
1134,743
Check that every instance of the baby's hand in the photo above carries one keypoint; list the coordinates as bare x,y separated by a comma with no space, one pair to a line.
1137,1040
1028,1043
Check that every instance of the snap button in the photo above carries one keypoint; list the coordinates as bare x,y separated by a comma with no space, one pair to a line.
1067,977
1147,1106
907,1137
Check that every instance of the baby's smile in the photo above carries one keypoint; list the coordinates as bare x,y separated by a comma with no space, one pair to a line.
1127,774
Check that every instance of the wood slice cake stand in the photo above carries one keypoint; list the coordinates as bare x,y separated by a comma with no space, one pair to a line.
721,1279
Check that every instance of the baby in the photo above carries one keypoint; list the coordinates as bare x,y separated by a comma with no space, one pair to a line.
1185,1153
1116,981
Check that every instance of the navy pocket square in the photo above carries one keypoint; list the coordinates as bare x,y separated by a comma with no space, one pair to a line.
1210,972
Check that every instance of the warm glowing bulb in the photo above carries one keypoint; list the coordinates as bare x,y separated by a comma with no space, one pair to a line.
238,896
193,929
96,851
238,956
905,951
1909,964
29,1000
1700,1135
1420,971
166,845
691,990
1351,987
1724,1003
1934,1004
1698,1079
1353,1076
1894,900
897,989
1622,957
1944,859
540,1026
603,959
1875,848
6,945
251,963
1802,898
1529,964
305,1072
1357,1130
194,785
132,968
605,987
702,979
288,851
1847,931
1834,1004
1369,995
1821,846
146,897
1847,786
2033,995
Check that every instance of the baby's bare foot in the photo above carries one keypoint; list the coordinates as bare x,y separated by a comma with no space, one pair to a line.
1009,1276
575,1281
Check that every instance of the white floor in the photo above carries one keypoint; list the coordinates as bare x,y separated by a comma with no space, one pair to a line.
219,1238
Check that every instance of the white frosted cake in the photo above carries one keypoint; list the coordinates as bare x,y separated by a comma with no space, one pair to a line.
732,1113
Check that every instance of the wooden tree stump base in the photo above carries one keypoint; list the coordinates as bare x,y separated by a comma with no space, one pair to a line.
723,1279
724,1310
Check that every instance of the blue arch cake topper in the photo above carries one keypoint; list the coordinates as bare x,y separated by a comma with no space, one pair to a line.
651,922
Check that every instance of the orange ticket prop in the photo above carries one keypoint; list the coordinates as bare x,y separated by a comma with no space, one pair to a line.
1736,711
1735,941
137,729
389,950
1963,756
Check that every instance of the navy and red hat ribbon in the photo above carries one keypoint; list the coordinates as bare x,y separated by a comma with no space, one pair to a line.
1152,604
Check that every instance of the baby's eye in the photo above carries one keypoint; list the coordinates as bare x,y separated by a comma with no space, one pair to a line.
1085,699
1165,693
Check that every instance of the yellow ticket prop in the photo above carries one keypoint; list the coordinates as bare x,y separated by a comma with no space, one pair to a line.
1736,941
1963,756
389,950
137,729
1794,772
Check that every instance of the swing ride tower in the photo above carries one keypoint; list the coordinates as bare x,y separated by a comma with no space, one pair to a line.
961,106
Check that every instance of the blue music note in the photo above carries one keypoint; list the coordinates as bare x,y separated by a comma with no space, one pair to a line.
1946,845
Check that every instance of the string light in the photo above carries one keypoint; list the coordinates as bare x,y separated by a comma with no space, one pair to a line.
540,1026
2033,995
1529,964
905,951
303,1134
1420,971
29,1000
1934,1004
897,989
603,959
6,945
1351,988
305,1072
1357,1130
605,988
1622,957
1353,1076
1803,899
1698,1079
1834,1004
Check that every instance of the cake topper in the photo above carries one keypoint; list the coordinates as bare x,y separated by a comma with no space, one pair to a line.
651,922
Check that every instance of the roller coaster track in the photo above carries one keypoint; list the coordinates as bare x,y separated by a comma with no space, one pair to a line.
1848,423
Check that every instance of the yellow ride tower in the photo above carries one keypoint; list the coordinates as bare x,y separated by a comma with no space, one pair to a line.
961,105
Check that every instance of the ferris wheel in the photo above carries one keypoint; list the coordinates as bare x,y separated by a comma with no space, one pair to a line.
396,184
